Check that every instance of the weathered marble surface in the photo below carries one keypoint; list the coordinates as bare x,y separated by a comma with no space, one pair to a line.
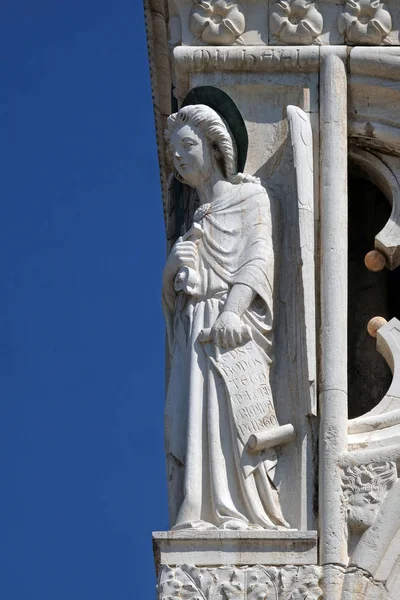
207,548
261,582
233,583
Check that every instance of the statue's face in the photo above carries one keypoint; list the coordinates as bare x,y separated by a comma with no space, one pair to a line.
191,155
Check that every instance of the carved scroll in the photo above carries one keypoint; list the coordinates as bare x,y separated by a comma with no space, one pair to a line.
245,372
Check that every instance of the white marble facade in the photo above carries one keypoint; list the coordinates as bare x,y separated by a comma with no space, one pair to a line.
273,491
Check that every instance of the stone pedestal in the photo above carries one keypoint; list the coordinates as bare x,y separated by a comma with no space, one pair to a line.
215,548
214,565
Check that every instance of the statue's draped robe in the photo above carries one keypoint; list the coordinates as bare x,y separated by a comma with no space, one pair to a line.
236,248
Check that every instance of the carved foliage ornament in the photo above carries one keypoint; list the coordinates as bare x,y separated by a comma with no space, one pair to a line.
217,22
365,22
231,583
364,488
296,22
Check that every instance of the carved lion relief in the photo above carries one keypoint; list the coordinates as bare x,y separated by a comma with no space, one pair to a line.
364,488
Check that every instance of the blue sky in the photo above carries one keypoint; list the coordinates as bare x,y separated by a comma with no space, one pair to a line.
81,331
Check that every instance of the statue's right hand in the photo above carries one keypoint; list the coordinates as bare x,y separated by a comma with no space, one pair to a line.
183,254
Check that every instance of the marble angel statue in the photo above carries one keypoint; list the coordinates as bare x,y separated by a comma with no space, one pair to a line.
217,296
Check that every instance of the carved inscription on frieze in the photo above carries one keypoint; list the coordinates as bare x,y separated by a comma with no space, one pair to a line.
250,59
255,58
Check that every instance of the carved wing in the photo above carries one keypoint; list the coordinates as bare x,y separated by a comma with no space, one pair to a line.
301,140
181,206
170,212
293,377
291,189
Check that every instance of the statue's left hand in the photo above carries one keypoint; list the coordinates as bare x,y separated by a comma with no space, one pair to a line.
229,331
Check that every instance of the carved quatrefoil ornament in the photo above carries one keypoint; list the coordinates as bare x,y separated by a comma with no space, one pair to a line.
296,22
217,22
365,22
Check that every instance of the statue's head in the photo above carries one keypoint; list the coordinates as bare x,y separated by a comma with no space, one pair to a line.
200,143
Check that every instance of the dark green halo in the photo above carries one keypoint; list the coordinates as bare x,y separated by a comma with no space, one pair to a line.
227,109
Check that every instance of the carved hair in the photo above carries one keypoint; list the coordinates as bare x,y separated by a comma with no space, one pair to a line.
214,128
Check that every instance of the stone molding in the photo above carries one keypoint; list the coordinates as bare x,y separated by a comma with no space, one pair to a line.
205,548
256,59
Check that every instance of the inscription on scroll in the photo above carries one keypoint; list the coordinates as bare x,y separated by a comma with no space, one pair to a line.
244,371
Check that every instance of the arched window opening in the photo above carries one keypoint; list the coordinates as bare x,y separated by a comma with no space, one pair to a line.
370,294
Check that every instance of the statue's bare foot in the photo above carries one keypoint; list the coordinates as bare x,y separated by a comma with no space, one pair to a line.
198,525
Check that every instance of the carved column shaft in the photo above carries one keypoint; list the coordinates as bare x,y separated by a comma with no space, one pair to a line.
333,385
333,382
